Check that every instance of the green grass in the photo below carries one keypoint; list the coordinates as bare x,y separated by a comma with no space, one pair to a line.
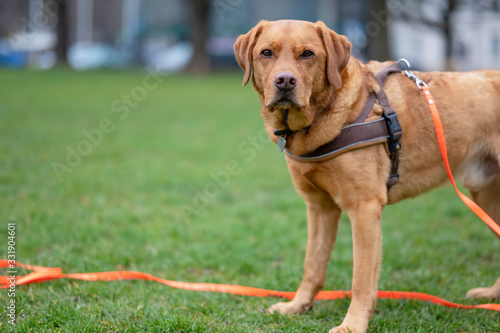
127,205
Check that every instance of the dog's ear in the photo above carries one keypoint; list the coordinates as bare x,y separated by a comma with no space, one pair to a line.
243,49
338,52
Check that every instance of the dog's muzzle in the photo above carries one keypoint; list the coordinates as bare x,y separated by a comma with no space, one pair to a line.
285,96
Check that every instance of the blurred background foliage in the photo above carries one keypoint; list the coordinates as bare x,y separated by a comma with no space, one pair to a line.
197,35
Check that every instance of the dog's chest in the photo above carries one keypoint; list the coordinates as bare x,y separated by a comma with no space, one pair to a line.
313,176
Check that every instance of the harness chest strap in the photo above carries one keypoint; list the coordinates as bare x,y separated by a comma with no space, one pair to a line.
360,134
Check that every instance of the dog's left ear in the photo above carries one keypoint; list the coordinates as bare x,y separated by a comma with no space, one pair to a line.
243,49
338,52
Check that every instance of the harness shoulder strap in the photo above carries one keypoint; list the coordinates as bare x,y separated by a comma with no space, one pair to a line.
380,77
394,128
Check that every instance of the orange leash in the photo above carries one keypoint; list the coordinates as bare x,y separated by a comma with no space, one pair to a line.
41,274
442,146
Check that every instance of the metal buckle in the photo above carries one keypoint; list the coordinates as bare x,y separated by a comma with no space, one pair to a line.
409,74
406,62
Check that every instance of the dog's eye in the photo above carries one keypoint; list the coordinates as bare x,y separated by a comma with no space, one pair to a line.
307,54
267,53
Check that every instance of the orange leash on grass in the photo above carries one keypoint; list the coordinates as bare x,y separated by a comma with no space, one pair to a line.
442,146
41,274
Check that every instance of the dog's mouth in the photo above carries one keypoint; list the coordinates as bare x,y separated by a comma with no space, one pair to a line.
287,112
283,101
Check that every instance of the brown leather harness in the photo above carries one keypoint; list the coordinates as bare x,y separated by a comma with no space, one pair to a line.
359,133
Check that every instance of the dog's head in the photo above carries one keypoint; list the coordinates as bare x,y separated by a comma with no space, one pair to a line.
294,66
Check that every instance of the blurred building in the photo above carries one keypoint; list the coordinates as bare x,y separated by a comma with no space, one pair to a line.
476,42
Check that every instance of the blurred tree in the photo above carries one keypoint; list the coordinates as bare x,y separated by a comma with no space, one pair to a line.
13,17
377,47
199,11
62,32
438,13
417,11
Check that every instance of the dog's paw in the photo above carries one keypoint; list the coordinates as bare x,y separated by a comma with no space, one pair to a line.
288,308
343,329
351,325
489,293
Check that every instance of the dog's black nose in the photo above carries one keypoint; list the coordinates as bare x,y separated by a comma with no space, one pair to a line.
285,81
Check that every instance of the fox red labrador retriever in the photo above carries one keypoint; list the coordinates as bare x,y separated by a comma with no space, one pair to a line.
310,87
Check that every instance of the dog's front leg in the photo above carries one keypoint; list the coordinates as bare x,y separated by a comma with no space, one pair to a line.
367,242
490,293
322,226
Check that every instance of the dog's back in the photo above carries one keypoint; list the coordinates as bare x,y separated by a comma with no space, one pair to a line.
469,105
